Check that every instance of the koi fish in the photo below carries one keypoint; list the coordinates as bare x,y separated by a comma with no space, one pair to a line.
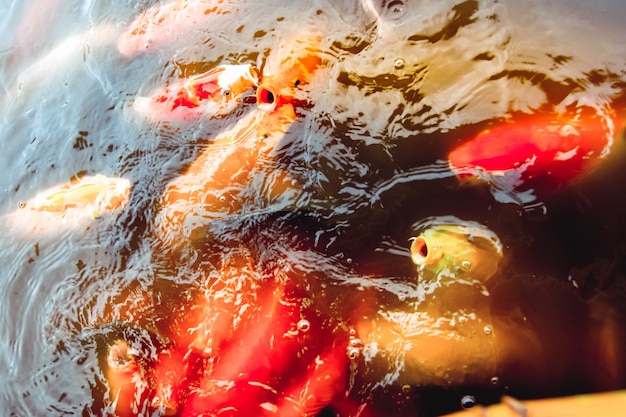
93,192
217,182
292,66
67,205
126,378
455,248
540,148
265,363
214,93
163,23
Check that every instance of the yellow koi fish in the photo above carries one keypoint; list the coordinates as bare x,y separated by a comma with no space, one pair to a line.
454,248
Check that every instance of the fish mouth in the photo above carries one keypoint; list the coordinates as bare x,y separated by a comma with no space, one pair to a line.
267,97
420,250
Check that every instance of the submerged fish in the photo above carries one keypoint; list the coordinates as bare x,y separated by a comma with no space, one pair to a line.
551,148
220,181
450,247
216,183
96,194
68,205
126,378
290,67
163,23
211,94
262,362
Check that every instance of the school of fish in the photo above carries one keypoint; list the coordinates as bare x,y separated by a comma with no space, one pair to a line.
239,351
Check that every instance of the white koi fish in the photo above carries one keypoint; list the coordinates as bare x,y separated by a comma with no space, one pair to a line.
68,205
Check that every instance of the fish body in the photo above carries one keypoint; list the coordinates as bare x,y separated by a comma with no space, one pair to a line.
98,193
163,23
535,152
69,205
266,363
217,183
453,248
126,379
214,93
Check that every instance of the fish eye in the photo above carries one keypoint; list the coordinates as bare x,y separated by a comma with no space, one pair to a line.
225,92
296,83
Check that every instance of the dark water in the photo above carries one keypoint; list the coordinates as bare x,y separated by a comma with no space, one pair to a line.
402,84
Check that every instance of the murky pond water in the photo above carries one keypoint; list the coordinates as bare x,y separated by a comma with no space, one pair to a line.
257,258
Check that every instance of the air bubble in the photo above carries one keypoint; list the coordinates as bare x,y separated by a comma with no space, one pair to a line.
406,388
487,330
353,353
466,265
304,325
495,380
468,401
356,343
398,63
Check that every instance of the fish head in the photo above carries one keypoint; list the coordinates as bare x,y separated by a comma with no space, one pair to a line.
288,69
212,94
454,249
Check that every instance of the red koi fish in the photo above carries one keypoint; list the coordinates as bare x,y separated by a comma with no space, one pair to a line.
163,23
516,156
292,66
269,362
214,93
273,363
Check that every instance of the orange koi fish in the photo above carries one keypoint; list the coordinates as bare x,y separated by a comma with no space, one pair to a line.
128,387
214,184
163,23
540,148
292,66
214,93
271,364
217,182
268,361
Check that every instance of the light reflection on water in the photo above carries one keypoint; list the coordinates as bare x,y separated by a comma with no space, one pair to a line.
366,155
